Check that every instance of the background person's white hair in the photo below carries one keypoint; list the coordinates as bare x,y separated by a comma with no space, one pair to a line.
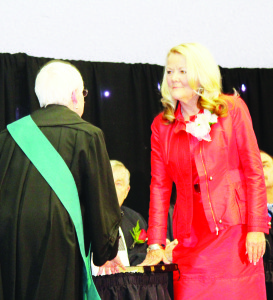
55,83
117,165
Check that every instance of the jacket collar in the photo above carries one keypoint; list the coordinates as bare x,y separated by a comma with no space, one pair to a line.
54,115
179,123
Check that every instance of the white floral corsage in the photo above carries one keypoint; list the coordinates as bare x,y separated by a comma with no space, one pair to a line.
200,128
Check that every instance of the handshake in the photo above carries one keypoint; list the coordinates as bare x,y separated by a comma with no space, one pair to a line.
153,257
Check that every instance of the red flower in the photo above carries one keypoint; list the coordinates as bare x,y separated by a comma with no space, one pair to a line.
139,236
142,235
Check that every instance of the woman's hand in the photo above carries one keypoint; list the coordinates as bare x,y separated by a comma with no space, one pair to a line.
154,257
255,246
169,249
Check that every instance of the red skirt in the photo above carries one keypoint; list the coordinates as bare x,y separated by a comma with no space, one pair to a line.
215,266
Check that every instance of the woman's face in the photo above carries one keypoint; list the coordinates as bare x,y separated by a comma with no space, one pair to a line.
177,79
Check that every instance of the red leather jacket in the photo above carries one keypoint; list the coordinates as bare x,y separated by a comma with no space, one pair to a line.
230,175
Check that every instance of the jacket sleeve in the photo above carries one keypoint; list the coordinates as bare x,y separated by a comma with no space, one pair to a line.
102,215
160,189
250,159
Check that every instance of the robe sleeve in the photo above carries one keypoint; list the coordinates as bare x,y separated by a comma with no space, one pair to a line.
102,215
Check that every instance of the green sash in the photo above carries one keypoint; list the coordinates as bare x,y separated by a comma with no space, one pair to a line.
50,164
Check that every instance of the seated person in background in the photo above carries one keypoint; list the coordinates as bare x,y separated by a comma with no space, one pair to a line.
129,252
129,217
267,161
136,252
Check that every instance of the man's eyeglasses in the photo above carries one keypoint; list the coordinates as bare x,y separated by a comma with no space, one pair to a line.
85,92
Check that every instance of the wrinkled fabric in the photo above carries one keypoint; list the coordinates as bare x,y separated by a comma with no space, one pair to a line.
39,253
215,266
131,286
229,169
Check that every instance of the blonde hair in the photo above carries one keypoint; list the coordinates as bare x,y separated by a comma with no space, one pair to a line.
117,165
56,81
204,78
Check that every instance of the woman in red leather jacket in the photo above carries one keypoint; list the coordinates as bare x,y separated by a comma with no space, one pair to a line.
204,142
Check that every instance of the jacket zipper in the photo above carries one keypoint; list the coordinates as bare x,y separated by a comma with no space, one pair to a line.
212,212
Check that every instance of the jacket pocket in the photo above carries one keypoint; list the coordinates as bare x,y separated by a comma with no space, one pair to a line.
240,199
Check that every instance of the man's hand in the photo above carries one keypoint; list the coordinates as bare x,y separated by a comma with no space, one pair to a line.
111,266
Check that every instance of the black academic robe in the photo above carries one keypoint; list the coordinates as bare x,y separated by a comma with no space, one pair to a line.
129,220
39,253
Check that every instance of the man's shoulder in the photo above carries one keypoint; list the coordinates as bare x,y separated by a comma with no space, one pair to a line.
61,116
89,129
129,211
130,216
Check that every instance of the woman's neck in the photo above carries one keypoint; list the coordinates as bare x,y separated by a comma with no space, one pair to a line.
189,107
188,111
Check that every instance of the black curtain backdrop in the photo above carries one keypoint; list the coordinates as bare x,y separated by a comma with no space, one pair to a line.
126,114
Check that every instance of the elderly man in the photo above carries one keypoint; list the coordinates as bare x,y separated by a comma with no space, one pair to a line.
42,250
129,217
267,161
129,252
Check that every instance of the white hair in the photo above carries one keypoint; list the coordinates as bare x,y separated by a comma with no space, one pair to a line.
56,81
117,165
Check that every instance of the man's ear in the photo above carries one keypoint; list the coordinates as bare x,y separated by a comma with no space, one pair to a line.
74,98
128,189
